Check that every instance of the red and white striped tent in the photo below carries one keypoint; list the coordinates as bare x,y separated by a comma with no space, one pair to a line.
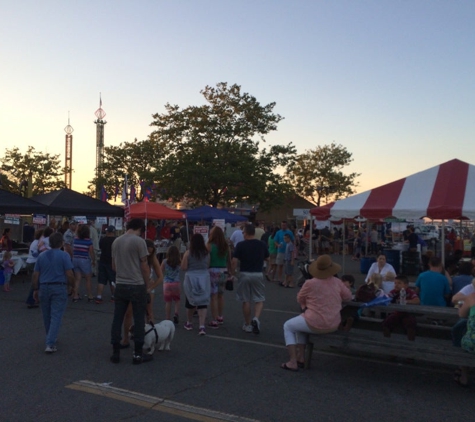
446,191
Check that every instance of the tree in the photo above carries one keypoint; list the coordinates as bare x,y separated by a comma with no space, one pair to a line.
212,152
138,160
317,174
42,171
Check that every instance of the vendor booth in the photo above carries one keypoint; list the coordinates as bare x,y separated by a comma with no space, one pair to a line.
443,192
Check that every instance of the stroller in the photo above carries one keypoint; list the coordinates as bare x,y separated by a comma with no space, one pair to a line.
305,275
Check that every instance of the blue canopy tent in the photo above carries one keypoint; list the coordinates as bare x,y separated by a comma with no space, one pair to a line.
207,213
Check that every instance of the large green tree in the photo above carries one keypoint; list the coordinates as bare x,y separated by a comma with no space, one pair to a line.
318,174
138,160
213,152
42,171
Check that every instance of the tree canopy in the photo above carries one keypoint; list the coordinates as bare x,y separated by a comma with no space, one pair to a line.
44,171
213,153
138,160
318,174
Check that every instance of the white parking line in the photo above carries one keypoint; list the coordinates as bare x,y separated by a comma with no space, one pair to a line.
156,403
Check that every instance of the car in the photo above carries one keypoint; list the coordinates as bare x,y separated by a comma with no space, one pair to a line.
428,232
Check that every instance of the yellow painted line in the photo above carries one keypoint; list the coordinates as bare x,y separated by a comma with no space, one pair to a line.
155,403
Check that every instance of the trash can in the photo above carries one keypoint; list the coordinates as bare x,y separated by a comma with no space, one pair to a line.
411,263
365,264
393,257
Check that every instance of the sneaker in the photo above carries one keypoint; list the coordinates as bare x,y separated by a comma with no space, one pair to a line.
188,326
142,358
202,331
51,349
256,326
99,300
175,319
220,320
213,324
247,328
115,358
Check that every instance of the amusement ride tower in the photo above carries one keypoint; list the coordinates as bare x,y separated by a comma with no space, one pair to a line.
68,155
100,114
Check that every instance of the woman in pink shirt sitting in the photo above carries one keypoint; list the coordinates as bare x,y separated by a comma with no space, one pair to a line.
321,299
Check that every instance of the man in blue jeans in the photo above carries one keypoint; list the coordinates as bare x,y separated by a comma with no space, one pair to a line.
129,261
53,271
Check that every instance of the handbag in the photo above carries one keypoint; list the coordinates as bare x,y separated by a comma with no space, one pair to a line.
229,283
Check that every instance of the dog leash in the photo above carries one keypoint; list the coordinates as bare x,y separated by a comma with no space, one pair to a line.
154,330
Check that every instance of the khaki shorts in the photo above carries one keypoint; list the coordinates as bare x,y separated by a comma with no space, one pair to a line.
279,260
251,287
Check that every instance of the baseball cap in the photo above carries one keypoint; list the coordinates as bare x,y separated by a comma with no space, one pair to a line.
73,222
110,229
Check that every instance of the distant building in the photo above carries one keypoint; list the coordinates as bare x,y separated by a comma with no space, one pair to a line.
285,211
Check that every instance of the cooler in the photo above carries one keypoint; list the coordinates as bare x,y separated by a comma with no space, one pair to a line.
393,257
365,264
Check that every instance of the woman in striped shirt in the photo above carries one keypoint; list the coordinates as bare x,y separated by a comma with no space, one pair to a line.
83,260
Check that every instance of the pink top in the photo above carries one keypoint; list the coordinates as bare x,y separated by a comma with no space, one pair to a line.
323,298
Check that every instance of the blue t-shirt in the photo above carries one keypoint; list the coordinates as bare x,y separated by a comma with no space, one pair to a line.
52,266
279,239
433,287
289,250
460,281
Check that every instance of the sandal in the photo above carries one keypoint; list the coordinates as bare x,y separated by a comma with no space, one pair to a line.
288,368
301,365
76,299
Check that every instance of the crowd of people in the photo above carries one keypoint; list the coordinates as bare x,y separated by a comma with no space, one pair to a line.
60,259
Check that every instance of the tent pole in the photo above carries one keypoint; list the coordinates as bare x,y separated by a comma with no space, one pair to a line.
187,234
343,248
310,241
442,246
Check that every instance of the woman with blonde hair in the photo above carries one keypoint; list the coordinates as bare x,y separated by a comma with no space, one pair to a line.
156,276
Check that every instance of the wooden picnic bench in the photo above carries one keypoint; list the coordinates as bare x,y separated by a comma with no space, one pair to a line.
369,339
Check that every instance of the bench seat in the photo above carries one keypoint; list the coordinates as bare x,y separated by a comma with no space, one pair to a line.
369,342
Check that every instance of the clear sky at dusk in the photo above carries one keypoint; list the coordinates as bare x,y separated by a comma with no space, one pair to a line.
392,81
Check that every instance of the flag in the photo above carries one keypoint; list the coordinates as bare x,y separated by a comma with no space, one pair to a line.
132,193
124,191
103,194
147,193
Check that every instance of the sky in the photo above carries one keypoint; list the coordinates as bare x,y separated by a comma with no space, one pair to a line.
391,81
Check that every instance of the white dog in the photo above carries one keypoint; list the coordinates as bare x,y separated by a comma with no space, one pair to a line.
159,335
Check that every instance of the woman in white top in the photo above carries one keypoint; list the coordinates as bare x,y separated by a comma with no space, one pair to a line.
383,268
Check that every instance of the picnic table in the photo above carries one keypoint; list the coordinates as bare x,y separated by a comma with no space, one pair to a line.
367,338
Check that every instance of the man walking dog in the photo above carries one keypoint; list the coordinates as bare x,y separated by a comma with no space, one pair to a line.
129,261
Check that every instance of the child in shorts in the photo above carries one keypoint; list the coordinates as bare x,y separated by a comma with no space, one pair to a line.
171,282
289,262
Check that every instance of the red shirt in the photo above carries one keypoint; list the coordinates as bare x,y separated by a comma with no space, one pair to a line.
394,295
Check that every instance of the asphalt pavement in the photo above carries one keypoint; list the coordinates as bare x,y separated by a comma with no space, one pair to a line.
226,375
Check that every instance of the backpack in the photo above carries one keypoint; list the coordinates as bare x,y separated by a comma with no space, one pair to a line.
365,293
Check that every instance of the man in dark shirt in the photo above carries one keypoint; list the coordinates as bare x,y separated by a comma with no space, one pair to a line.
106,273
251,254
412,239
